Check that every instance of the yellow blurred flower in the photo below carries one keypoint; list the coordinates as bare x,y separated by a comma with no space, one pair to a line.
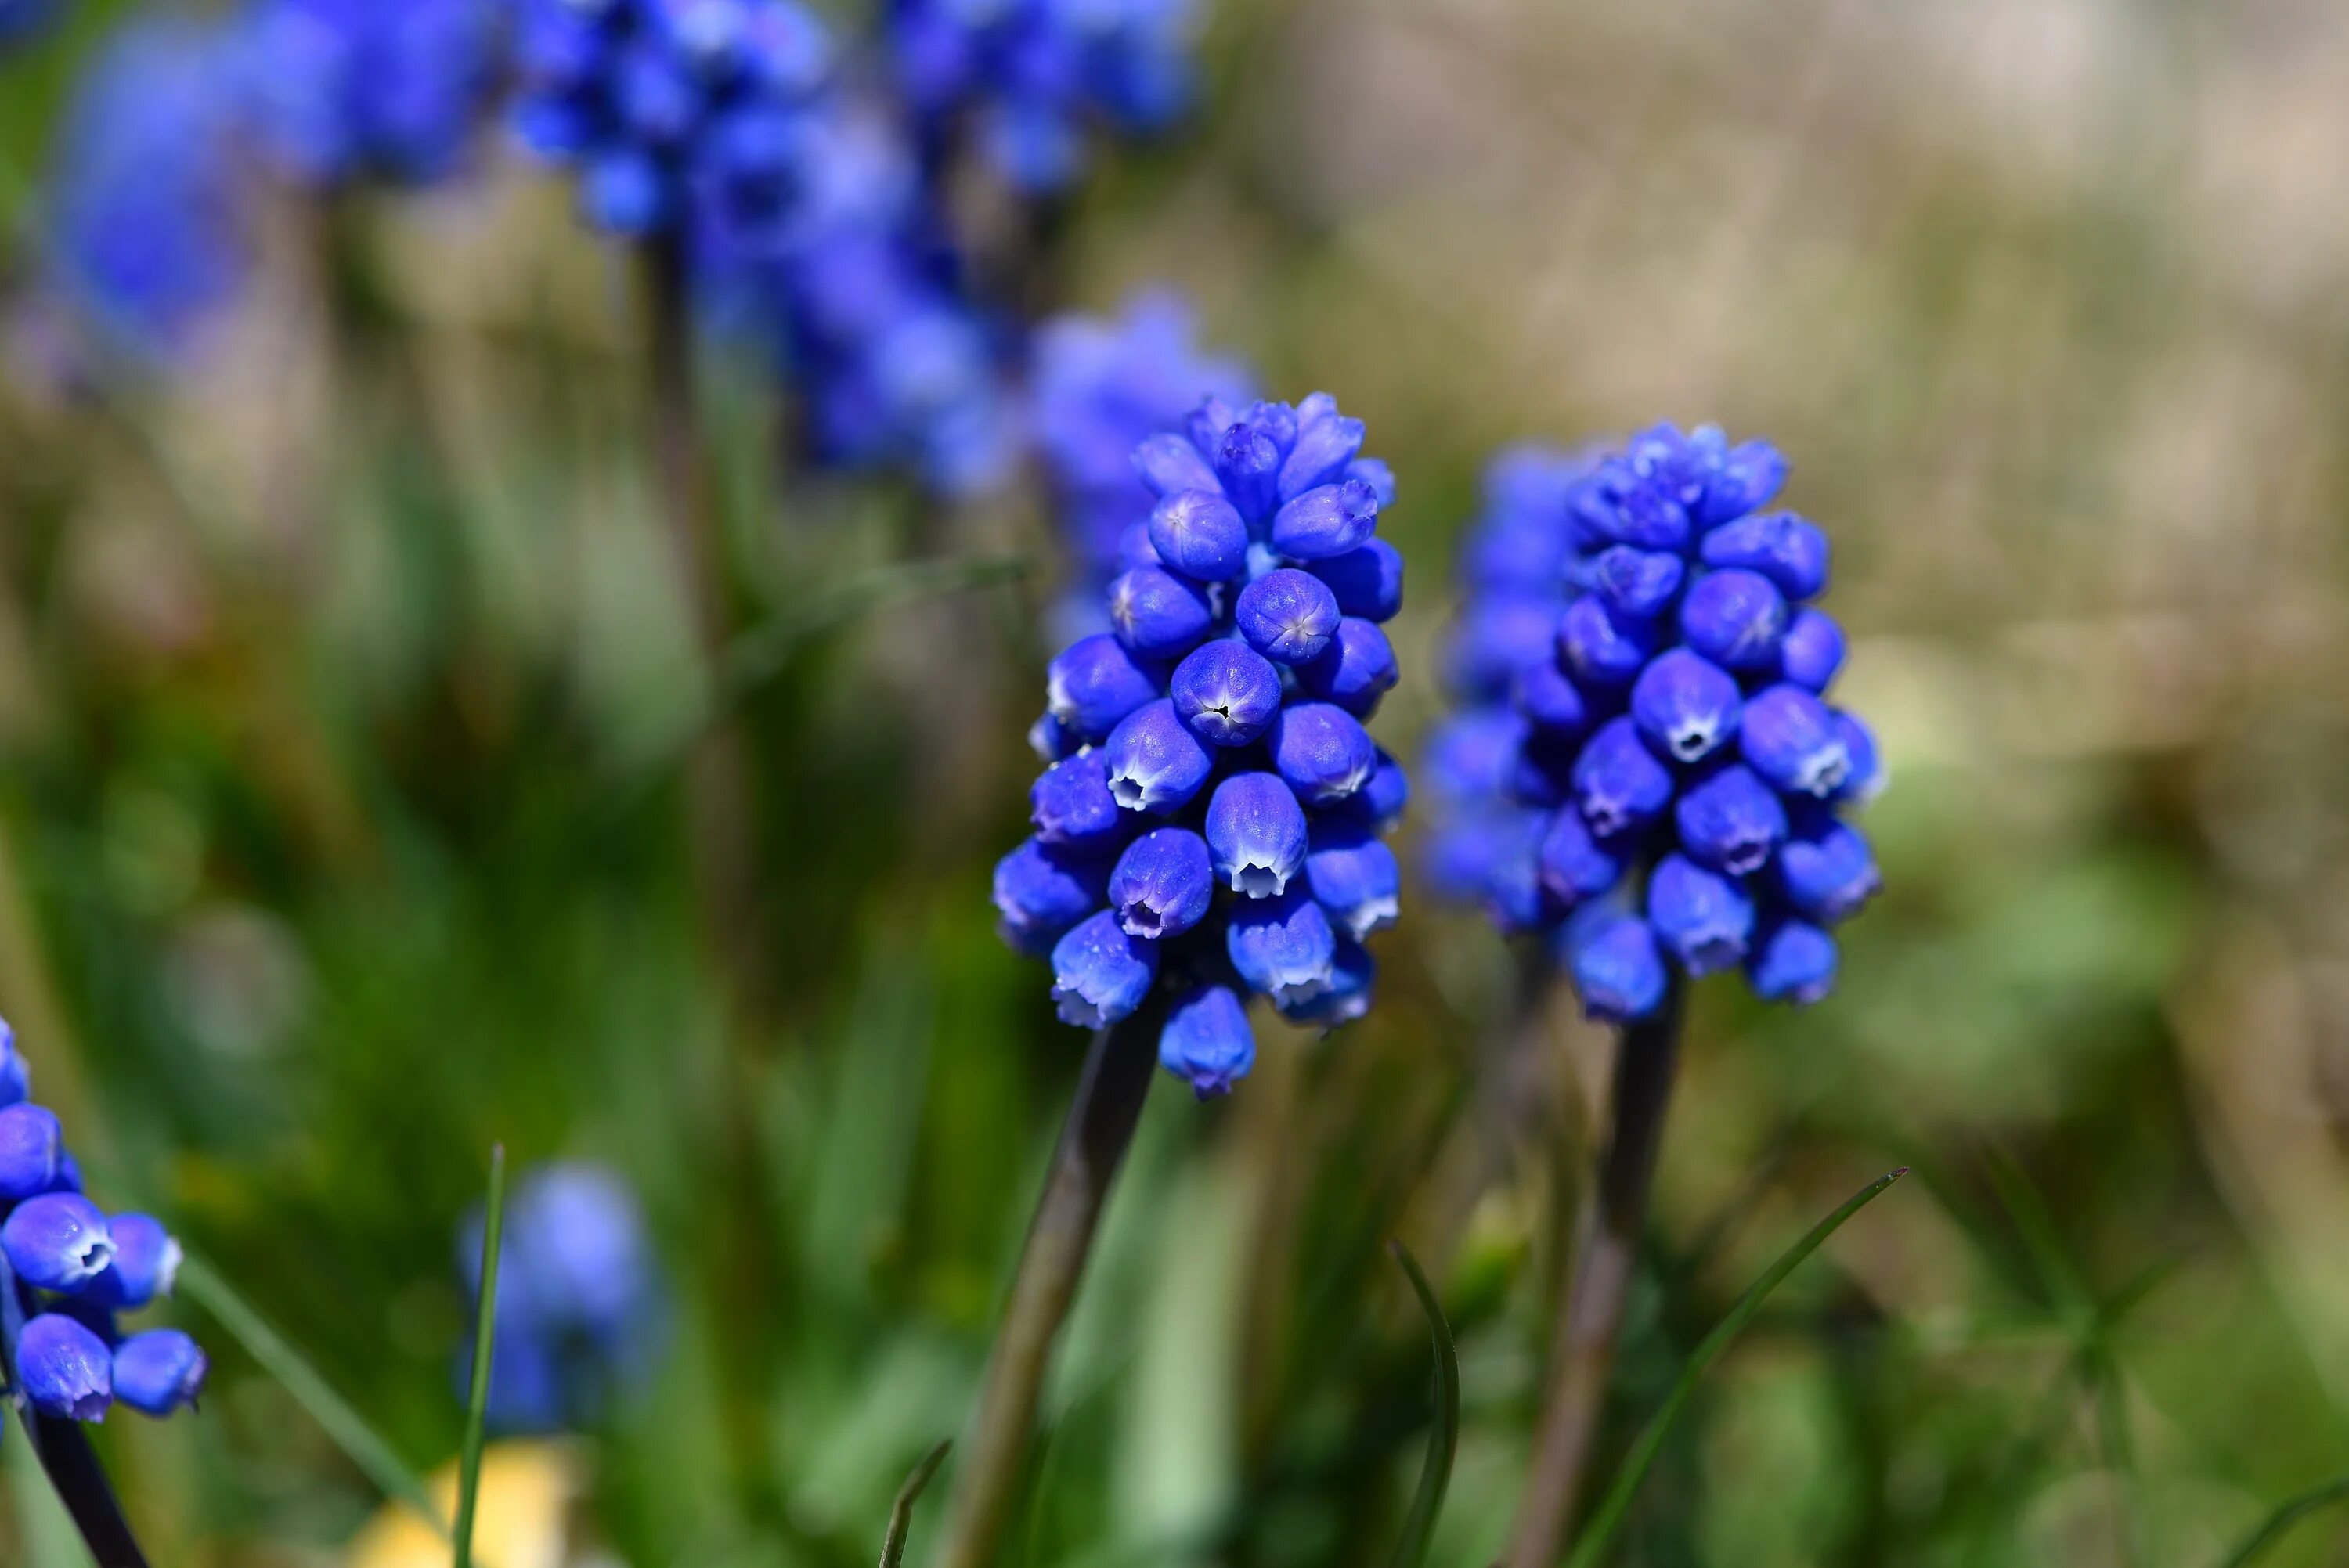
520,1521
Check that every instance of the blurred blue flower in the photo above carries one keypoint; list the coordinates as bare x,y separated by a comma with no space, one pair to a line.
1204,826
1643,765
1097,387
581,1310
1031,74
73,1268
682,117
20,19
147,228
332,89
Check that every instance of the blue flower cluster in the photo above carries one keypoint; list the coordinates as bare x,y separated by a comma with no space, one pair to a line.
1210,818
1099,386
581,1311
1644,679
66,1268
1030,72
337,88
146,226
684,117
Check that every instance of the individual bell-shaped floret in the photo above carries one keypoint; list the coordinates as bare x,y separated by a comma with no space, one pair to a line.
65,1369
1791,961
16,1075
1099,973
157,1372
1618,969
1685,704
1826,870
1730,822
1787,550
1617,781
1326,443
1322,751
1548,700
1378,805
1071,805
1169,464
1812,651
1751,474
1163,884
1207,1042
145,1266
1043,890
1573,864
1735,618
1154,763
1635,584
1791,739
1093,683
1227,692
57,1242
1158,614
1354,875
1283,946
1355,670
1328,520
31,1145
1705,919
1352,974
1602,651
1200,534
1256,834
1864,777
1287,615
1367,581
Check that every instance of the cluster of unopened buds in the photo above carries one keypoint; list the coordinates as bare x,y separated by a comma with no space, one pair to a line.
1644,681
1211,819
70,1268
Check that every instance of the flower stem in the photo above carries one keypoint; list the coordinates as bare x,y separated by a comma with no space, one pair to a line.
1109,1094
1584,1354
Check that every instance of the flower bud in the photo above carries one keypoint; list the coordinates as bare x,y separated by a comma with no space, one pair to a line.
1812,650
1094,683
1071,804
30,1147
1548,700
1327,441
1168,464
1207,1042
1156,763
1792,962
1730,822
1618,970
64,1368
1200,534
1158,614
157,1372
1826,870
1787,550
58,1242
1226,692
1256,834
1162,883
1864,779
1247,467
1636,584
16,1075
1352,973
144,1268
1735,618
1789,737
1325,522
1618,782
1099,973
1367,581
1748,478
1573,865
1321,751
1703,918
1043,890
1353,875
1287,615
1377,805
1355,670
1686,704
1283,946
1599,651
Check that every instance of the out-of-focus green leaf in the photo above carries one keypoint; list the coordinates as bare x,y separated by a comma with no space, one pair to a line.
2289,1513
1444,1442
901,1512
485,1335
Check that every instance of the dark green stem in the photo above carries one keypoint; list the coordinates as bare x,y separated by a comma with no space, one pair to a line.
1109,1094
1583,1358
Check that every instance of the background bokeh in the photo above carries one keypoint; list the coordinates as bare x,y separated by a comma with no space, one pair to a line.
345,826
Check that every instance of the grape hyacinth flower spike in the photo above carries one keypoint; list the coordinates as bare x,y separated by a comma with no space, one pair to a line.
68,1268
1209,826
1645,780
332,89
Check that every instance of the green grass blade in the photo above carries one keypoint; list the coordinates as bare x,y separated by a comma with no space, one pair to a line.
1444,1444
203,1286
901,1512
477,1398
1607,1520
2291,1512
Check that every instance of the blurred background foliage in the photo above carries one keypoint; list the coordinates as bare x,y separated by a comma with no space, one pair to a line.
344,826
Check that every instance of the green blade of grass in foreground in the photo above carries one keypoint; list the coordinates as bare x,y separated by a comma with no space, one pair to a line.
2287,1514
1607,1520
203,1286
901,1512
477,1398
1443,1443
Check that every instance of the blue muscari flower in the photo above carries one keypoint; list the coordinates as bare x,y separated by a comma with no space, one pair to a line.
20,19
147,223
1225,714
1097,387
1645,766
1030,74
332,89
74,1267
682,117
582,1313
